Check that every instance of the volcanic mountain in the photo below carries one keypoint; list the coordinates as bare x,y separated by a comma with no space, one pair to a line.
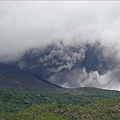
12,77
58,64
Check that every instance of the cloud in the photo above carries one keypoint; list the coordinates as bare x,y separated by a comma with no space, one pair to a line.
31,24
73,62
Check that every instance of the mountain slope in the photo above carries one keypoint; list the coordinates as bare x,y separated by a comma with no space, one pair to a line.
11,77
16,100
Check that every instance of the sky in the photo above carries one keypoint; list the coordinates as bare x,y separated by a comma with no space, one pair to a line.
36,23
33,24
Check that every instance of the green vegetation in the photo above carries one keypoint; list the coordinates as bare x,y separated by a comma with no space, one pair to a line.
64,104
107,109
14,100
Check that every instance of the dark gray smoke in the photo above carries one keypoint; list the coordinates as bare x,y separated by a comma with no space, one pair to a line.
83,64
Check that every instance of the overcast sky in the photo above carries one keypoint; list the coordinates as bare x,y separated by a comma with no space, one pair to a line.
31,24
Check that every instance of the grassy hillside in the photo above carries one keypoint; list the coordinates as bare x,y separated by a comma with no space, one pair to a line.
14,100
107,109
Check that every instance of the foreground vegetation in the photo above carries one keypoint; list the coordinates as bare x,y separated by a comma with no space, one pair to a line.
15,100
64,104
107,109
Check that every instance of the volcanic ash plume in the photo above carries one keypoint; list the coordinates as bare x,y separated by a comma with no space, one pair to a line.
84,64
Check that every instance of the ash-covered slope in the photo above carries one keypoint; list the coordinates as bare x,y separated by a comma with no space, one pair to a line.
80,65
11,77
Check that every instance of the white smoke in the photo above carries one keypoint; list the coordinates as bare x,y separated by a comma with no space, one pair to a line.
80,78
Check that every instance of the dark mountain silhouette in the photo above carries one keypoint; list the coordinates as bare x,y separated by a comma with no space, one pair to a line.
11,77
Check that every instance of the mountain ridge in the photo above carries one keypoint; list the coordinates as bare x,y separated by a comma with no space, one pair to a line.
11,77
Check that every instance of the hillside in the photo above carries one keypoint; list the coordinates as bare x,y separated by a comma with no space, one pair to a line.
23,96
108,109
16,100
13,78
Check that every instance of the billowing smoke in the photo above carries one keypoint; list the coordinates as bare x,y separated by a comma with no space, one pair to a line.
25,25
76,65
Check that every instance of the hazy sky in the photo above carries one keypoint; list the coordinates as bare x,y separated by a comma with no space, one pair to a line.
30,24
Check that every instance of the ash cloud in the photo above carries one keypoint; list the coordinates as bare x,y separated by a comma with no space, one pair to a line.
84,64
25,25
